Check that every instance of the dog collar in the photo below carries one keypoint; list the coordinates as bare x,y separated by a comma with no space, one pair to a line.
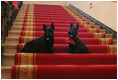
71,41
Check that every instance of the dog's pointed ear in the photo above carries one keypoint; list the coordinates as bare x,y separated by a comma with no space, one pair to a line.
71,25
77,26
52,26
44,26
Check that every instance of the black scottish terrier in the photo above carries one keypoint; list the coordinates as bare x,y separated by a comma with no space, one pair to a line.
43,44
75,44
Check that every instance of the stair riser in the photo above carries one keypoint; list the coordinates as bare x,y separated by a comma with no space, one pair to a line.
29,14
22,17
10,59
16,41
22,13
107,71
43,10
13,34
11,49
49,15
22,20
48,12
6,73
16,34
19,29
7,61
12,41
20,24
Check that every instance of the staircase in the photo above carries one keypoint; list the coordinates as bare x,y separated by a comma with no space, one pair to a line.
101,62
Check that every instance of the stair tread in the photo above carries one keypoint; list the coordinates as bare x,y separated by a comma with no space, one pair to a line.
6,68
57,37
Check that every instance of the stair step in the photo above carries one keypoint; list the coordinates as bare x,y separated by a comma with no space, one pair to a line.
22,17
18,33
20,28
15,40
101,71
13,48
22,20
6,72
14,33
10,58
21,23
10,48
49,14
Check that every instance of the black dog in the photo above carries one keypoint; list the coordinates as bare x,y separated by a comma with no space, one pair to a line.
75,44
43,44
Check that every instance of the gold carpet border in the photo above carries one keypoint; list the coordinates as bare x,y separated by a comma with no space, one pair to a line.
26,59
29,28
29,17
74,15
112,49
105,41
29,23
87,26
98,35
30,20
92,30
26,72
26,39
30,14
27,33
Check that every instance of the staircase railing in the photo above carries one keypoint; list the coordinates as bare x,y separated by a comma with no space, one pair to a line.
8,15
102,26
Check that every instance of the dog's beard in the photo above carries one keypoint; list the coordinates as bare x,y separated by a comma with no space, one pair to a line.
72,36
48,38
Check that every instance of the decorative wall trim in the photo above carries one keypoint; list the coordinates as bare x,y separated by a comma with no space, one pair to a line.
102,26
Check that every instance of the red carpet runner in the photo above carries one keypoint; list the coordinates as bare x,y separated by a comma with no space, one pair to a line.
99,63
